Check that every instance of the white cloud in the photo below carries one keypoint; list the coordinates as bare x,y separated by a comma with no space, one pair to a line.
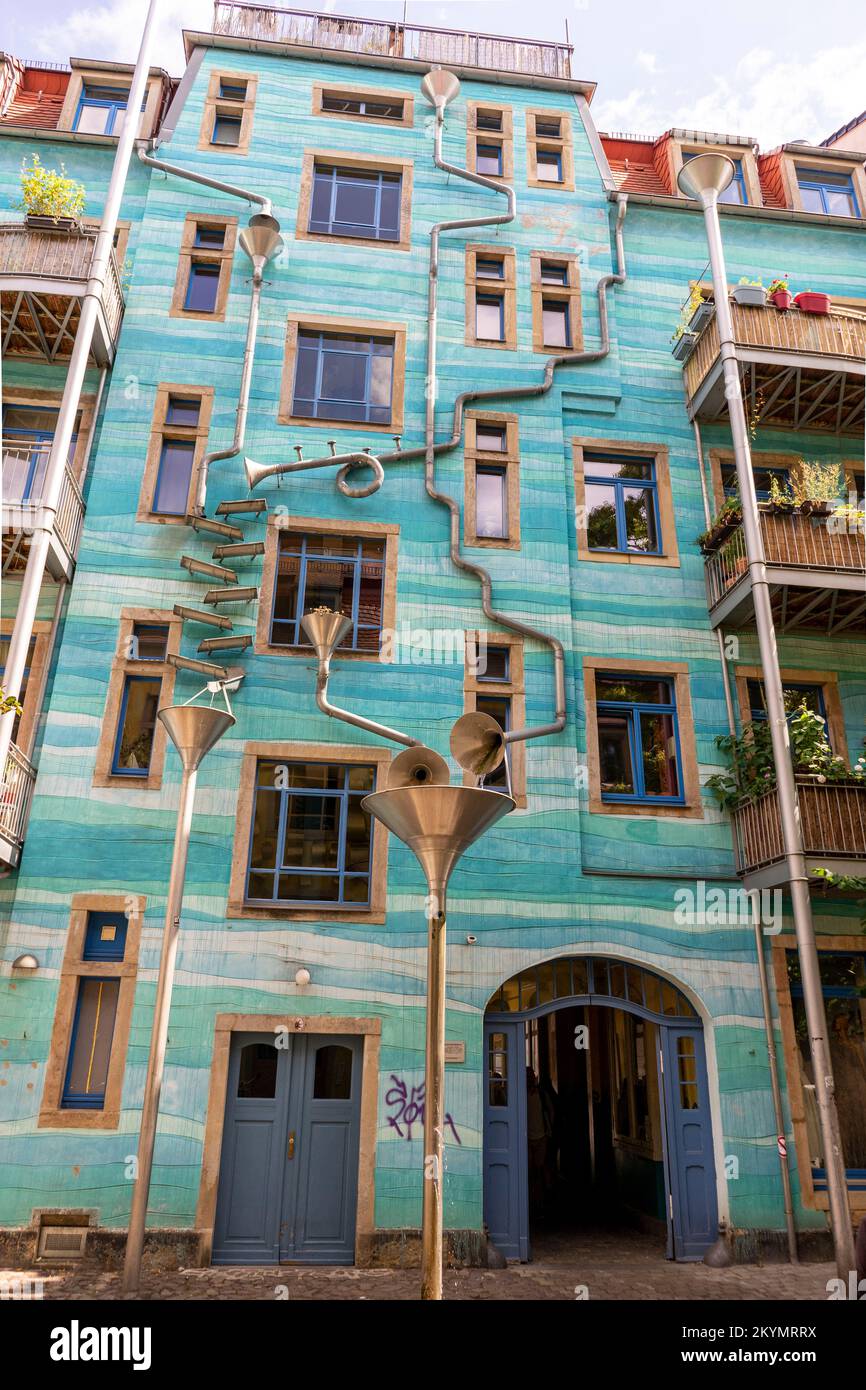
113,31
647,61
774,100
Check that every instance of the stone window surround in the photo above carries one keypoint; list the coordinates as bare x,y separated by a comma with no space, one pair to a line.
341,89
73,969
105,76
506,287
745,153
315,1025
159,430
570,293
374,328
32,703
364,163
215,105
504,137
678,672
121,667
289,751
563,146
854,167
509,460
780,945
222,256
373,530
760,459
829,682
514,688
670,557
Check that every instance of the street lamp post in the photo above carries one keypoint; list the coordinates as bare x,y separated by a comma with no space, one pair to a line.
704,178
193,729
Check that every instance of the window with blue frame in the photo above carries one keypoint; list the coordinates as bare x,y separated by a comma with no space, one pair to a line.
183,411
226,129
209,238
355,203
555,326
827,190
90,1044
28,433
311,841
342,377
548,166
390,110
638,739
764,475
553,273
343,573
622,504
491,502
499,708
736,189
101,110
232,90
488,159
171,492
133,745
493,663
795,693
490,317
202,287
489,268
843,984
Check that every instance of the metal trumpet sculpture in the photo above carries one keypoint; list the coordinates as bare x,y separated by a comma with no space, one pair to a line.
438,822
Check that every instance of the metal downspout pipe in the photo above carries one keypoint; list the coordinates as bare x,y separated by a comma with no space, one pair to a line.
703,179
28,600
766,1005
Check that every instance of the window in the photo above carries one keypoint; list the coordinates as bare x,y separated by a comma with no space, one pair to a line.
202,287
343,573
555,326
736,189
227,118
638,738
131,746
171,494
490,437
553,273
491,511
95,1015
490,317
550,128
226,130
843,984
489,269
621,499
764,475
491,502
136,727
101,110
350,104
493,664
488,159
494,685
28,433
342,377
27,714
204,268
232,90
488,120
149,642
311,841
353,203
183,411
825,190
359,106
178,441
548,166
499,708
795,694
549,155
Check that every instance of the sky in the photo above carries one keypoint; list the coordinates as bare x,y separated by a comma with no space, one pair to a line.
776,70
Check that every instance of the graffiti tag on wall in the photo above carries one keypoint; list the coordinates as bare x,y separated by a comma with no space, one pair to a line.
408,1107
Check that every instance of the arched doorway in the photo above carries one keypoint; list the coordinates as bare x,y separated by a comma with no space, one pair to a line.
596,1107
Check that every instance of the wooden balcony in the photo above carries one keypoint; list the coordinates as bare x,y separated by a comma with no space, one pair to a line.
43,277
816,570
458,48
833,820
16,794
797,371
23,475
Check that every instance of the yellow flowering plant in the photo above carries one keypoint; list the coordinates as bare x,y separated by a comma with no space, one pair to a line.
47,193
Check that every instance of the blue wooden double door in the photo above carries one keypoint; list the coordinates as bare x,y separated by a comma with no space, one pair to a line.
288,1180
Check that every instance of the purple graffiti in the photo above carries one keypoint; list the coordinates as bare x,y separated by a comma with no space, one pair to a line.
409,1109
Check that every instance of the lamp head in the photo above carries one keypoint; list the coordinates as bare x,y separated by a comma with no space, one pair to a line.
439,87
705,177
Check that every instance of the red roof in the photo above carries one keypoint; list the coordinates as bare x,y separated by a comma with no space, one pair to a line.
38,97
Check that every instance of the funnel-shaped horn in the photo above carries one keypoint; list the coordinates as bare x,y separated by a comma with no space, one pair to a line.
194,729
439,87
257,472
261,238
477,743
325,630
417,767
438,823
705,176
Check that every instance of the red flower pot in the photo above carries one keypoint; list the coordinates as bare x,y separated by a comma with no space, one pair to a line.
783,299
812,303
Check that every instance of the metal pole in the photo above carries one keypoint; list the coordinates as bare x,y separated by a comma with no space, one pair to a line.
778,1112
434,1099
840,1219
31,584
158,1037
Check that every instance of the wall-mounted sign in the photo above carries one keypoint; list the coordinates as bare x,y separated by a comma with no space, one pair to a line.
455,1052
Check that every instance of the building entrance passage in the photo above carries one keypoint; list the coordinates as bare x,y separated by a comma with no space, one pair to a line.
289,1168
596,1111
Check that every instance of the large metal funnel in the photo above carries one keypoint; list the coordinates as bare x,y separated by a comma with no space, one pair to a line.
325,630
438,823
705,177
261,238
194,729
439,87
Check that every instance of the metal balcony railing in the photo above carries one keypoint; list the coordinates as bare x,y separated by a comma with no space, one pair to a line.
832,817
51,256
840,334
16,793
454,47
793,541
23,477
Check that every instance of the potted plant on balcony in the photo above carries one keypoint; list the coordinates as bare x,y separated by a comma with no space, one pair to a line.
750,292
694,316
779,294
752,769
727,519
50,200
811,302
813,488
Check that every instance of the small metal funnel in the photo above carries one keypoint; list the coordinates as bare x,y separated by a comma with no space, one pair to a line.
194,729
438,823
439,87
325,630
261,239
705,177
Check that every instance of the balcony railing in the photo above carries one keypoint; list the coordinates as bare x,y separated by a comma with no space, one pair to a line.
24,468
832,818
49,265
454,47
16,793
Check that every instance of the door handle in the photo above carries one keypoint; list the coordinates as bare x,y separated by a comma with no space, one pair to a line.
290,1152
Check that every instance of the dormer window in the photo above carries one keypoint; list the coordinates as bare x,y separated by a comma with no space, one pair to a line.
101,110
736,189
825,190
